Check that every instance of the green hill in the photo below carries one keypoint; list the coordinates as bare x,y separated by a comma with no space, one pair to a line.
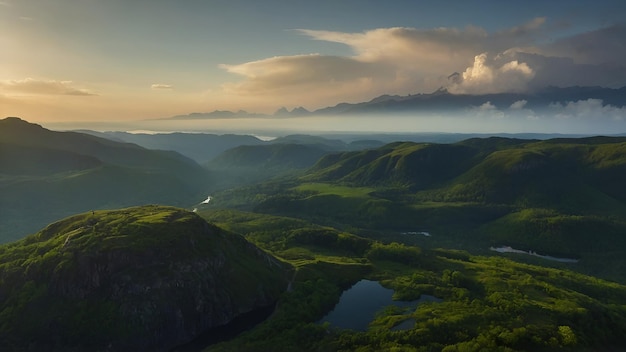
473,194
272,156
573,175
20,160
248,164
143,279
412,165
21,133
201,147
46,175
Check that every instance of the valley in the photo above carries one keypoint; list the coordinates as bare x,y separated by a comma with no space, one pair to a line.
312,176
453,223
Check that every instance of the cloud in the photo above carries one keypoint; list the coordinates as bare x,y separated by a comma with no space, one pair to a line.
161,86
601,46
396,60
581,113
565,72
403,60
308,79
491,76
301,70
590,109
43,87
518,105
488,110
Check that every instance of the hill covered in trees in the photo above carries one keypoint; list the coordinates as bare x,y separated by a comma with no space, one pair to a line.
145,278
46,175
562,197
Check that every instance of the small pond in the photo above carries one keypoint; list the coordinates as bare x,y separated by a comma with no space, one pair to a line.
508,249
359,304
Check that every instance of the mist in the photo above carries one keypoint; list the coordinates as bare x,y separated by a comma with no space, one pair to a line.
485,119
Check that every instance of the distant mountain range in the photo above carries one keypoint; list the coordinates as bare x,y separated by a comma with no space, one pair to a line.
440,100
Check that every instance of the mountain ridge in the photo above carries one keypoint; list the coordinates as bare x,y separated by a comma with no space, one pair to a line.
440,100
46,175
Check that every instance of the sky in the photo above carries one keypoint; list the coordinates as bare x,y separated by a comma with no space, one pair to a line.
130,60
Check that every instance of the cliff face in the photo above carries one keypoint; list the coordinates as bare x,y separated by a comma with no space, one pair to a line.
146,278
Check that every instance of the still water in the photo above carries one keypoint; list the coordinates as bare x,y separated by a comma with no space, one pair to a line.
359,304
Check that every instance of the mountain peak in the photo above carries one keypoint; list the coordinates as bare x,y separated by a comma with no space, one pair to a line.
300,111
440,91
16,121
282,111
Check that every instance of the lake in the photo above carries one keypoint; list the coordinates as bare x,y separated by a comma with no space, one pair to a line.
359,304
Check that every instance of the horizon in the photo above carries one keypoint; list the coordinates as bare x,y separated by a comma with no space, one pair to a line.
279,129
68,63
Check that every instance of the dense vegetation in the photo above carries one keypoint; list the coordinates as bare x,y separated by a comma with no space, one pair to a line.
489,303
47,175
418,217
553,197
145,278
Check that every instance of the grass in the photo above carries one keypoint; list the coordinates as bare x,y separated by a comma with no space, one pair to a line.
321,189
91,277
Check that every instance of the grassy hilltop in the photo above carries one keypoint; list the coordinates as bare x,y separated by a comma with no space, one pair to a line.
144,278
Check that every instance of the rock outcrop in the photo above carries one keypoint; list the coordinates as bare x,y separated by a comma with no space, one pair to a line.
147,278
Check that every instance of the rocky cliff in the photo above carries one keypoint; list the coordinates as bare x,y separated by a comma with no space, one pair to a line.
145,278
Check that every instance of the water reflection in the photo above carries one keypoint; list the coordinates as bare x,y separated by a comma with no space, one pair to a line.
358,305
405,325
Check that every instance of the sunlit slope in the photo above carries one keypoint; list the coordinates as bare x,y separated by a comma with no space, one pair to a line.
21,133
572,175
145,278
547,196
46,175
407,164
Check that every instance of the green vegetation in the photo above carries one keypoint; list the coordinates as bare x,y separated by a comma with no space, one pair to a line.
417,217
47,175
554,198
144,278
471,195
489,303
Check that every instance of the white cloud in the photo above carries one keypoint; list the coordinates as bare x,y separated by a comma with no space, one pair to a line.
518,105
161,86
491,76
590,109
308,79
583,116
402,60
487,107
43,87
487,110
395,60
